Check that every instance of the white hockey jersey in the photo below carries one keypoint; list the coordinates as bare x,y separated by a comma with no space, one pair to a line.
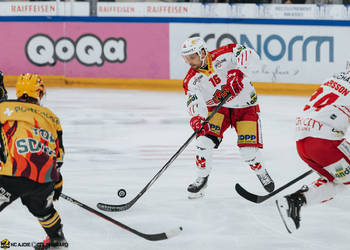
203,88
327,114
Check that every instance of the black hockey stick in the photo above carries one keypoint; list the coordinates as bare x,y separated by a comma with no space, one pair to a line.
125,206
260,198
152,237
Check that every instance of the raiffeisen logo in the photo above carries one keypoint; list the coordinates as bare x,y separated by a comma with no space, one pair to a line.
88,49
276,47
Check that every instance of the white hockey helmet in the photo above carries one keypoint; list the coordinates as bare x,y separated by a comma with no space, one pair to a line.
193,45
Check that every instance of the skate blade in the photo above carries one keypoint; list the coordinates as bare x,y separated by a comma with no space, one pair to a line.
283,214
193,196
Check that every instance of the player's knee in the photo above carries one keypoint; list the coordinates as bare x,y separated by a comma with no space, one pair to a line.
204,142
204,152
251,155
39,208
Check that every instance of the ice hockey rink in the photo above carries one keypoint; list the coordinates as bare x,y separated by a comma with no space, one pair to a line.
121,138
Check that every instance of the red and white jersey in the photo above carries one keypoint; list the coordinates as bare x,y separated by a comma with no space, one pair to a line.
203,88
327,114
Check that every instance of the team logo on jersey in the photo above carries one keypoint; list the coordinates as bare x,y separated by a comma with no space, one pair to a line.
219,95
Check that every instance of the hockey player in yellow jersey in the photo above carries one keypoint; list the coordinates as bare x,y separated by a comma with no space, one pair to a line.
31,156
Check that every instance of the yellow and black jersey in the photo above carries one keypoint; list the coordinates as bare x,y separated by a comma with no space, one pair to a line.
31,141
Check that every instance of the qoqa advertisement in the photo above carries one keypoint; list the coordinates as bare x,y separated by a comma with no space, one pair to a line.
104,50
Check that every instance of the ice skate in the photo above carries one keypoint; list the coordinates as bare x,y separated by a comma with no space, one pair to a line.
263,177
289,209
196,189
57,243
266,180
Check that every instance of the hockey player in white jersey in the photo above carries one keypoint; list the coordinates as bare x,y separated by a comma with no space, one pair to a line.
212,75
320,131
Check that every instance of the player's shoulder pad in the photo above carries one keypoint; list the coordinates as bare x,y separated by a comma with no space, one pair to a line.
190,74
223,50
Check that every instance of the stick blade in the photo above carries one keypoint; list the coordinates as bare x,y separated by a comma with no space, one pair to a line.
162,236
247,195
113,208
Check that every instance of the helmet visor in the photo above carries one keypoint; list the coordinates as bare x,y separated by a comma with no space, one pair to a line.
191,58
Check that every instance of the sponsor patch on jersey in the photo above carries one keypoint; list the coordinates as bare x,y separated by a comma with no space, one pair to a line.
239,50
216,123
341,173
4,195
218,63
253,98
344,147
191,98
197,80
247,132
308,124
345,76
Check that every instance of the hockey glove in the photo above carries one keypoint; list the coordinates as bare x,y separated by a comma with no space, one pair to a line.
196,124
58,188
234,81
3,91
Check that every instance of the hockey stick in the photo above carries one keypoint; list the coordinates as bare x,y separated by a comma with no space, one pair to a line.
260,198
125,206
151,237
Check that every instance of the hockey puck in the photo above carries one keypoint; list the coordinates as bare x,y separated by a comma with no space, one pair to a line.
121,193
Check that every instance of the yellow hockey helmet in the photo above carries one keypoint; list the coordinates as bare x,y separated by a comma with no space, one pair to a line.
30,85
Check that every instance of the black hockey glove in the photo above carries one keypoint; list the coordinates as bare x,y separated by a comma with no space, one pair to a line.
58,188
3,91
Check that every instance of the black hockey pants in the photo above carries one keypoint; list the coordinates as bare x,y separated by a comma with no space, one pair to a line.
37,197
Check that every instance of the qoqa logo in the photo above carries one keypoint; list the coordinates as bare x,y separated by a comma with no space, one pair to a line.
88,49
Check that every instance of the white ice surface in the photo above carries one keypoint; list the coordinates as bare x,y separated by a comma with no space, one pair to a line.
120,139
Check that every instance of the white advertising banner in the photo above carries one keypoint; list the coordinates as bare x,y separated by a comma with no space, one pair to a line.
223,10
289,54
334,11
150,9
290,11
44,8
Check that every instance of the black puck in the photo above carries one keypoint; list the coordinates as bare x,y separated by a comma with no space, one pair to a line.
121,193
